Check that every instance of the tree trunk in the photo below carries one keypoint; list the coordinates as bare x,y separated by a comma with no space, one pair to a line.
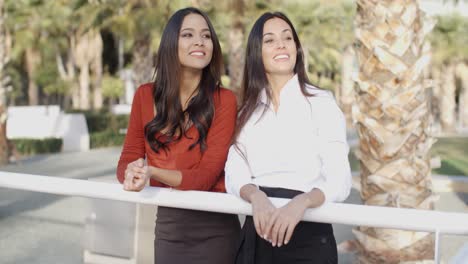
236,49
84,87
435,96
142,60
345,96
4,150
447,98
462,73
393,120
97,72
33,59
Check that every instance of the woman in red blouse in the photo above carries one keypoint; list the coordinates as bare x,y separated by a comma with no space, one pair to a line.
179,133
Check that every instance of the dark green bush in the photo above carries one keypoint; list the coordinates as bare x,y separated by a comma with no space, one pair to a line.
106,138
99,121
104,128
27,146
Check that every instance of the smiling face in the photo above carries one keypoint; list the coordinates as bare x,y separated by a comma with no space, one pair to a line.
195,44
279,50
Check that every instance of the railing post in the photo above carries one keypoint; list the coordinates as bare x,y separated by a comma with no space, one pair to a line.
437,246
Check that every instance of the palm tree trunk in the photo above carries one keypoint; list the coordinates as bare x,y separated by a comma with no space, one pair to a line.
447,98
142,60
462,73
236,49
435,96
33,59
393,120
84,87
345,96
4,151
97,72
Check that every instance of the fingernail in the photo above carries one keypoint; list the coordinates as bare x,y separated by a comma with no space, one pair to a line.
279,245
274,245
265,237
286,242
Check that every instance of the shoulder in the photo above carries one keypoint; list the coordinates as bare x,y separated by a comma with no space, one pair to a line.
319,93
225,96
323,101
145,90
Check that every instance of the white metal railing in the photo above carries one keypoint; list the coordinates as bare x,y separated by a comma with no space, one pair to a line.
336,213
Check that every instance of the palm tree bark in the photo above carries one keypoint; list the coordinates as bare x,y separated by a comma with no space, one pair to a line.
4,151
447,98
96,68
33,59
462,73
393,120
236,49
142,60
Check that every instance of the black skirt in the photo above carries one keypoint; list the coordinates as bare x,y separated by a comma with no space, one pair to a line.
190,236
310,243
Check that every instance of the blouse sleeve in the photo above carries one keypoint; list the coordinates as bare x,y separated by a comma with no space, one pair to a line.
237,170
134,144
333,151
210,168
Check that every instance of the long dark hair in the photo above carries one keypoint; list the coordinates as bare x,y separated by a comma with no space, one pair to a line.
169,113
255,79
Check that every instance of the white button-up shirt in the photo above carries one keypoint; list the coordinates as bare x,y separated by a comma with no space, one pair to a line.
302,146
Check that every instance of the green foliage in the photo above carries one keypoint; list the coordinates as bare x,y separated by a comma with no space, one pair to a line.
112,87
102,120
48,78
27,146
449,39
105,129
106,138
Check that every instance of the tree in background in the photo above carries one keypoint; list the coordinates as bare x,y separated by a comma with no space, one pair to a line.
4,151
449,39
393,120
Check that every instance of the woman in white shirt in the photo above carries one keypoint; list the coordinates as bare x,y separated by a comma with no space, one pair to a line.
290,143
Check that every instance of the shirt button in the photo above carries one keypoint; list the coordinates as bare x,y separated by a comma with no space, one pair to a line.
323,240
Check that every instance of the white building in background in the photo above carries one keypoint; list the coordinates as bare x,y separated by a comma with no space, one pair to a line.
42,121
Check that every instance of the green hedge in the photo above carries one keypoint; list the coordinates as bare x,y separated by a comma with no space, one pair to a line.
104,128
102,120
27,146
106,138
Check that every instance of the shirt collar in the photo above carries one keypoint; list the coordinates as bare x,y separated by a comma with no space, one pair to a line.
290,89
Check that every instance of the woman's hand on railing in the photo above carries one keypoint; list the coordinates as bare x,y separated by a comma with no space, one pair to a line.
136,176
262,209
283,221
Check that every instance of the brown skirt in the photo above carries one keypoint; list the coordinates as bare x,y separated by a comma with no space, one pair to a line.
189,236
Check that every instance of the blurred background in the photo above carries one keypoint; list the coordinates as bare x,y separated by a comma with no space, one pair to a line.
69,69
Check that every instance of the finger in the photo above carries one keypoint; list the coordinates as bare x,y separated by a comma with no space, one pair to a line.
269,225
281,233
127,185
257,225
139,162
289,232
140,184
138,169
274,233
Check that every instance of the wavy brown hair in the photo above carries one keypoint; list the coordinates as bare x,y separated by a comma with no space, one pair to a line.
170,117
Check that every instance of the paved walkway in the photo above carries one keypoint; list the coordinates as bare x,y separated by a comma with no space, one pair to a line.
44,228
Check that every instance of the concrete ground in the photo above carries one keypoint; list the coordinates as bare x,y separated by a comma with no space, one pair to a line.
45,228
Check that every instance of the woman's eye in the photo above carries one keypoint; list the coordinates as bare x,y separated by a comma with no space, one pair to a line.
186,35
207,36
268,41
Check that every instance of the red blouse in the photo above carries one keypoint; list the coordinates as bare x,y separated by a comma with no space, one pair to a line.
200,171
